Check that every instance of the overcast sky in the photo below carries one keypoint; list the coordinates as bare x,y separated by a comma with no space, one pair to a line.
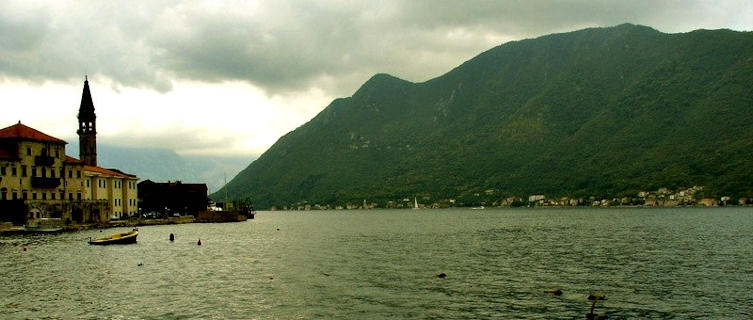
211,77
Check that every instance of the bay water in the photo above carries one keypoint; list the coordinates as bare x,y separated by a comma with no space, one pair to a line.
664,263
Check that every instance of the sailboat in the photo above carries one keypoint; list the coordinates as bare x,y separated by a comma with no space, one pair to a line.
415,203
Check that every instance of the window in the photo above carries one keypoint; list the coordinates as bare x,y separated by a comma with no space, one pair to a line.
78,173
25,194
87,183
78,196
57,153
28,151
44,173
70,174
33,196
14,171
2,171
23,170
70,195
15,195
52,196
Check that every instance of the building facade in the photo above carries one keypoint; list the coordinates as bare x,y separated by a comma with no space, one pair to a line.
36,174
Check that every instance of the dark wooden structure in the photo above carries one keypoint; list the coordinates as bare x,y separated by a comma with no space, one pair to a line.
170,198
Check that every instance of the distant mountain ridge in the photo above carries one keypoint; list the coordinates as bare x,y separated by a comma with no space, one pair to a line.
163,165
597,112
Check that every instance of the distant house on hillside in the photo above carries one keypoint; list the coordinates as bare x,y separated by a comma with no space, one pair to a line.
169,198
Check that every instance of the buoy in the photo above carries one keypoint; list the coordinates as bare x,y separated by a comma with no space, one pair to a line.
172,237
595,296
442,275
556,292
141,264
278,229
198,242
24,248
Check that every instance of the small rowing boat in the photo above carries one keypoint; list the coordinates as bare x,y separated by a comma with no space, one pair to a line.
116,238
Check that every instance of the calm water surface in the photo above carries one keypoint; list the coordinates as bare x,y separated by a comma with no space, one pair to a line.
382,264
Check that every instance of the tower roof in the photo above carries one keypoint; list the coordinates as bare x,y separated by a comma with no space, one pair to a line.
22,132
86,110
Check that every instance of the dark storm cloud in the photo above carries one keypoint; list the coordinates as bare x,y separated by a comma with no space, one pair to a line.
294,45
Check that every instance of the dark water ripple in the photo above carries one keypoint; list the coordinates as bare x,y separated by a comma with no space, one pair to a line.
650,263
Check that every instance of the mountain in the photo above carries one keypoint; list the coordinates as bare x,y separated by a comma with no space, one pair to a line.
597,112
163,164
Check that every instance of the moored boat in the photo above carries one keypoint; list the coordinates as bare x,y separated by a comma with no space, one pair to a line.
41,229
116,238
43,225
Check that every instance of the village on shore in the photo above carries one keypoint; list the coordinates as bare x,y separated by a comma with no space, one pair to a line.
662,197
42,189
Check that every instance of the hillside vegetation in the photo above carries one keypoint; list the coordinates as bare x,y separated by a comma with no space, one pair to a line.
603,112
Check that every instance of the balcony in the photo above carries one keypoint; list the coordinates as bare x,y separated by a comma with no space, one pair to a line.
44,161
45,183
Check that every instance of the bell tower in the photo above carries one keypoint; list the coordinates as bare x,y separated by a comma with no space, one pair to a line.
87,128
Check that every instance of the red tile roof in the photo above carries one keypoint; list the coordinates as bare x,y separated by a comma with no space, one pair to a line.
72,160
107,171
20,131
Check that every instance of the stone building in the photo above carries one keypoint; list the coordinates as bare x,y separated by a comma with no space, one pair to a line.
38,178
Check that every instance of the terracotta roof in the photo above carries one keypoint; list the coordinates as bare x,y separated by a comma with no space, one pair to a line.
20,131
72,160
107,172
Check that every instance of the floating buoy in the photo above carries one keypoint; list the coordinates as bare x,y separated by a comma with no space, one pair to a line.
198,242
556,292
141,264
172,237
24,248
441,275
595,296
278,229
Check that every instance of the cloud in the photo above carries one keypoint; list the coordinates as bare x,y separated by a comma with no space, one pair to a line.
286,46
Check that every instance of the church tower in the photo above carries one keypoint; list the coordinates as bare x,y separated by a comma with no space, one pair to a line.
87,128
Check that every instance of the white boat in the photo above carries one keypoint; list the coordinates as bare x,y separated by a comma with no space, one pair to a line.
44,225
415,203
41,229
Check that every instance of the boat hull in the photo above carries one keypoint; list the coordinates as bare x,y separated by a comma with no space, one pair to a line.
118,238
35,229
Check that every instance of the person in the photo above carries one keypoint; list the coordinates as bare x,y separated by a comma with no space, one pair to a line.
172,237
198,242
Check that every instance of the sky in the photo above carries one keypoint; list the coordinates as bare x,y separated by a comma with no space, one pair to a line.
231,77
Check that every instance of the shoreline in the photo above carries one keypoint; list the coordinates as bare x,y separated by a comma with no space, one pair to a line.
13,230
